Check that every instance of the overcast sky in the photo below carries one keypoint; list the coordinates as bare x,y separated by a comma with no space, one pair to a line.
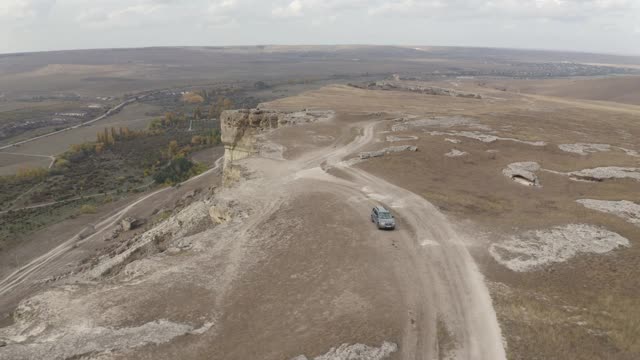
611,26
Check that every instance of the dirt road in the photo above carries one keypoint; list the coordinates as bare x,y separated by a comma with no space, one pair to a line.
450,288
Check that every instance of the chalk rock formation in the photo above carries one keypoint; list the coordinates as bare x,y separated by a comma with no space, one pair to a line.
241,127
523,173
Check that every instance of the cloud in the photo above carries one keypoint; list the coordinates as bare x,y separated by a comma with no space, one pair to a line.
474,22
19,10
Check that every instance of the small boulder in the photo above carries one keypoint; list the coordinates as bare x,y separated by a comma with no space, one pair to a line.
523,173
130,223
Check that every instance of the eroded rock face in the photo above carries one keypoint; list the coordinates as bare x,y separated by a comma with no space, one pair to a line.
240,130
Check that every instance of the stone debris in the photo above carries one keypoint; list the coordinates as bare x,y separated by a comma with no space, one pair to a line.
175,227
486,138
534,249
356,352
456,153
627,210
453,141
523,173
385,151
605,173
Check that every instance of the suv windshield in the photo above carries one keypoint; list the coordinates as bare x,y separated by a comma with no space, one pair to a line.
384,215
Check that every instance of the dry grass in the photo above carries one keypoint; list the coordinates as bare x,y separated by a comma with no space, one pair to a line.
586,308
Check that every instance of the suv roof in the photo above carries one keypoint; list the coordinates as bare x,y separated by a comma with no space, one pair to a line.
381,209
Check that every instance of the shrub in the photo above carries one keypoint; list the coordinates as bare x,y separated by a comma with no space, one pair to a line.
88,209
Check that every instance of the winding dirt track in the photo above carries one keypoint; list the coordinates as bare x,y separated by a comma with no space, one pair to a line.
443,282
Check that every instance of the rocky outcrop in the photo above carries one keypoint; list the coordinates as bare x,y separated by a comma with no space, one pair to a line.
523,173
240,130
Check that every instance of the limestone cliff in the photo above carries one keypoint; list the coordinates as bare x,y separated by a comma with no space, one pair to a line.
240,130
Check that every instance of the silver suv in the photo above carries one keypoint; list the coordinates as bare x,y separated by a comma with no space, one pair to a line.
383,218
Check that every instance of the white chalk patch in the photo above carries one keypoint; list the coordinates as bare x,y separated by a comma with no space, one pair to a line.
535,249
393,138
584,149
356,352
427,242
456,153
486,138
627,210
377,197
605,173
